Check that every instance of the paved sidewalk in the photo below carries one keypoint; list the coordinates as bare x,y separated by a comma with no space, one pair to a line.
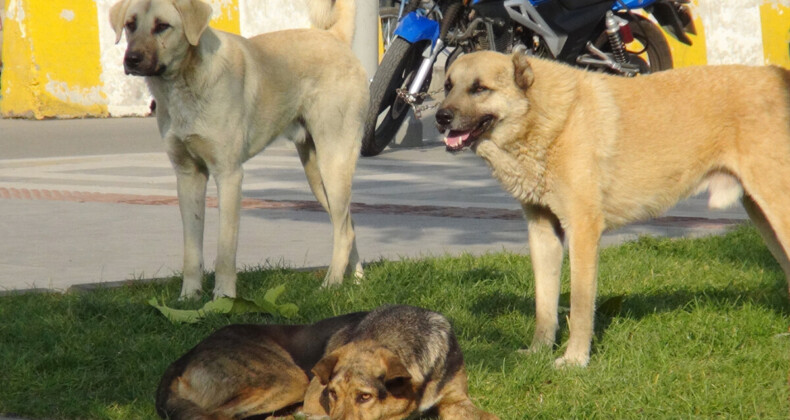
92,201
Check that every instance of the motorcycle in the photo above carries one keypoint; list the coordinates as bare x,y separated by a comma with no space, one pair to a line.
622,37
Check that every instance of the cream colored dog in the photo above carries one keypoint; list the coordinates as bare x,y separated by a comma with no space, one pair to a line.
585,152
222,98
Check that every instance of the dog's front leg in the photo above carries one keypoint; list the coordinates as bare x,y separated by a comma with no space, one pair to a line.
229,195
585,233
546,251
191,179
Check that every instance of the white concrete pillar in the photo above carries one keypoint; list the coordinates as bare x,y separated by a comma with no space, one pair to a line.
365,42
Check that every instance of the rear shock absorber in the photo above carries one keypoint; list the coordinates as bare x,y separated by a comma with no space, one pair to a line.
616,42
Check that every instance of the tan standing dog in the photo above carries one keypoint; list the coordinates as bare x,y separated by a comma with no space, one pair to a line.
222,98
585,152
399,361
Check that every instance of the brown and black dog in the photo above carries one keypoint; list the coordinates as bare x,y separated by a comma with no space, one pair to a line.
245,370
398,362
391,363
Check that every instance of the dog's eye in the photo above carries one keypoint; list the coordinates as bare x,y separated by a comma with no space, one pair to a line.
478,88
161,27
448,85
131,25
364,397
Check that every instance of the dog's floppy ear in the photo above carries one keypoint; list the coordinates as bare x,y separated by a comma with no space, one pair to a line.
323,369
195,16
118,17
395,368
397,378
522,71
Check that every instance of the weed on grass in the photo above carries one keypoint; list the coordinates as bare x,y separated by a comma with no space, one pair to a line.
686,329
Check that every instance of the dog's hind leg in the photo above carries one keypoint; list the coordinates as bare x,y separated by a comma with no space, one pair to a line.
307,155
260,400
767,192
455,402
463,410
769,235
306,149
191,180
546,251
336,166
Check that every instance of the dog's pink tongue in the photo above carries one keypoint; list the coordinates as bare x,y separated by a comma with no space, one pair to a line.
455,139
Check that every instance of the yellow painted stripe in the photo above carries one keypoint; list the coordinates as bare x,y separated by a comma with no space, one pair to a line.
694,55
48,75
775,21
380,41
226,15
17,54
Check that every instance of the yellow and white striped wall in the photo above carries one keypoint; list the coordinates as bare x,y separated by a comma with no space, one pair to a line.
60,60
738,32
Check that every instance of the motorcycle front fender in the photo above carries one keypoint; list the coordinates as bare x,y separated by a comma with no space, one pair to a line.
675,18
416,28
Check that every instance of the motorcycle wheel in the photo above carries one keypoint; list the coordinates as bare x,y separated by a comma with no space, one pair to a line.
387,111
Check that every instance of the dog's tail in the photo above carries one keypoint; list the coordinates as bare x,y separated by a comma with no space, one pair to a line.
336,16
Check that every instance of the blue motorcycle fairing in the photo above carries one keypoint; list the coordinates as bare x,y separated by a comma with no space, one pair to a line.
632,4
416,28
629,4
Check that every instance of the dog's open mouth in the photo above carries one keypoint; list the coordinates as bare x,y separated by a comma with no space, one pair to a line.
456,140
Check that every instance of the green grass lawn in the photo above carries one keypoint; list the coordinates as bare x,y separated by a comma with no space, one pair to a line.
702,332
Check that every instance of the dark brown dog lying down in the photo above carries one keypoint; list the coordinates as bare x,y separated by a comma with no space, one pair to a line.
391,363
245,370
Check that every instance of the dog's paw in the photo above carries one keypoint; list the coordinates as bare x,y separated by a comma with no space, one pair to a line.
222,293
542,340
189,294
358,276
359,273
331,282
571,361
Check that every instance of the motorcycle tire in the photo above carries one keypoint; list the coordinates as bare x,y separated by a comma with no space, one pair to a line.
387,111
659,55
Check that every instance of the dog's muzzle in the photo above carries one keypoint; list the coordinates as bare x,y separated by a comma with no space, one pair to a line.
444,117
458,135
135,63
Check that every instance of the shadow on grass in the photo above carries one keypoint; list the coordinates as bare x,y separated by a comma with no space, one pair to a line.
745,274
69,354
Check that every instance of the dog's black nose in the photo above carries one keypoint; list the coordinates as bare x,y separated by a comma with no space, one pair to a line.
444,116
132,59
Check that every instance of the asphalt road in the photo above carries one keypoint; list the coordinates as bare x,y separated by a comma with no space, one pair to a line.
93,201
